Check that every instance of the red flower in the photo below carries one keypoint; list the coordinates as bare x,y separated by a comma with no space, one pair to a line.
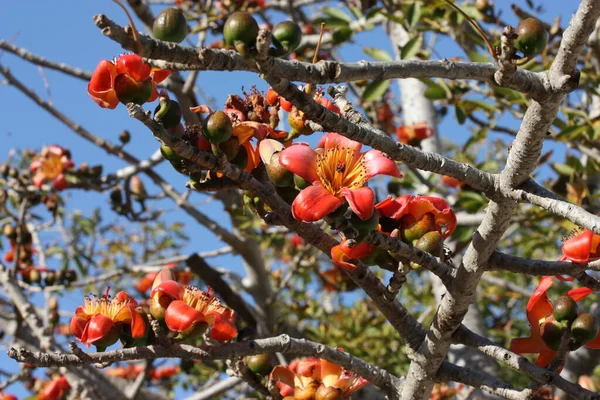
413,134
539,309
342,254
183,277
99,320
451,181
417,207
54,390
312,375
8,397
128,73
582,248
338,173
51,165
186,308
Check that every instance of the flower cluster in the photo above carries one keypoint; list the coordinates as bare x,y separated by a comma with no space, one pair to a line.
52,165
54,389
188,311
423,221
132,371
550,321
315,379
126,79
414,134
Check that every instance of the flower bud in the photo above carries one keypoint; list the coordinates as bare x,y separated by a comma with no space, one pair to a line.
138,190
329,393
125,137
286,37
552,331
170,25
584,328
217,128
241,30
565,309
306,393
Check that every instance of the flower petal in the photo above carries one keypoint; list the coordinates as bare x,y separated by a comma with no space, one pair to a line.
545,358
594,343
529,345
361,200
159,75
314,202
101,86
330,372
539,306
133,65
582,247
283,375
179,316
378,164
221,328
301,160
332,139
342,254
171,289
579,293
98,327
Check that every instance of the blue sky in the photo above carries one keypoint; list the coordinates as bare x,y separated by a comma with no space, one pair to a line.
63,31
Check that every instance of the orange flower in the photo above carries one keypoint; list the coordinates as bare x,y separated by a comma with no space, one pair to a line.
413,134
312,375
539,311
51,165
338,173
582,248
186,309
127,79
54,390
99,320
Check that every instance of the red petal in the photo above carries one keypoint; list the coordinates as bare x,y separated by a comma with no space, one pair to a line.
333,139
342,254
79,322
138,324
378,164
101,86
579,293
60,182
578,248
154,94
594,343
314,202
545,358
284,375
133,65
539,306
168,288
394,207
159,75
179,316
301,160
530,345
222,328
361,200
96,329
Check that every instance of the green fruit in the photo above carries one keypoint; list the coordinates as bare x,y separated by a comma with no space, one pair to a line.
328,393
413,229
168,112
364,227
170,25
278,174
287,35
552,331
532,37
565,309
300,182
431,242
259,363
240,31
584,328
129,90
217,128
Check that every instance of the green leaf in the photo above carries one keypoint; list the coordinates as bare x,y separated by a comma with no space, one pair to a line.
483,105
375,90
410,49
563,169
377,54
436,92
342,35
336,13
572,132
461,115
478,57
413,14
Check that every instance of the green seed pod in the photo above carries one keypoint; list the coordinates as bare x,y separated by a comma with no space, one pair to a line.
259,364
431,242
584,328
565,309
241,31
552,331
364,227
129,90
328,393
532,37
278,174
287,35
170,25
300,182
168,112
217,128
413,230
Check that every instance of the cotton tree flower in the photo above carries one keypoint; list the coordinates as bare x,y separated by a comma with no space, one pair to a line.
127,79
100,319
338,172
582,248
314,378
50,166
188,310
541,314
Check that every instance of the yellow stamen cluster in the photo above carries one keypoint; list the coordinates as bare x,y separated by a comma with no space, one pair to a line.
205,302
94,305
338,168
51,165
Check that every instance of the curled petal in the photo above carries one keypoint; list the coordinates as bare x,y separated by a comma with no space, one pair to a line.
79,322
545,358
101,86
282,374
133,65
579,293
378,164
314,202
529,345
361,200
582,248
330,373
342,254
159,75
539,306
60,182
97,328
164,275
179,316
332,139
221,328
301,160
